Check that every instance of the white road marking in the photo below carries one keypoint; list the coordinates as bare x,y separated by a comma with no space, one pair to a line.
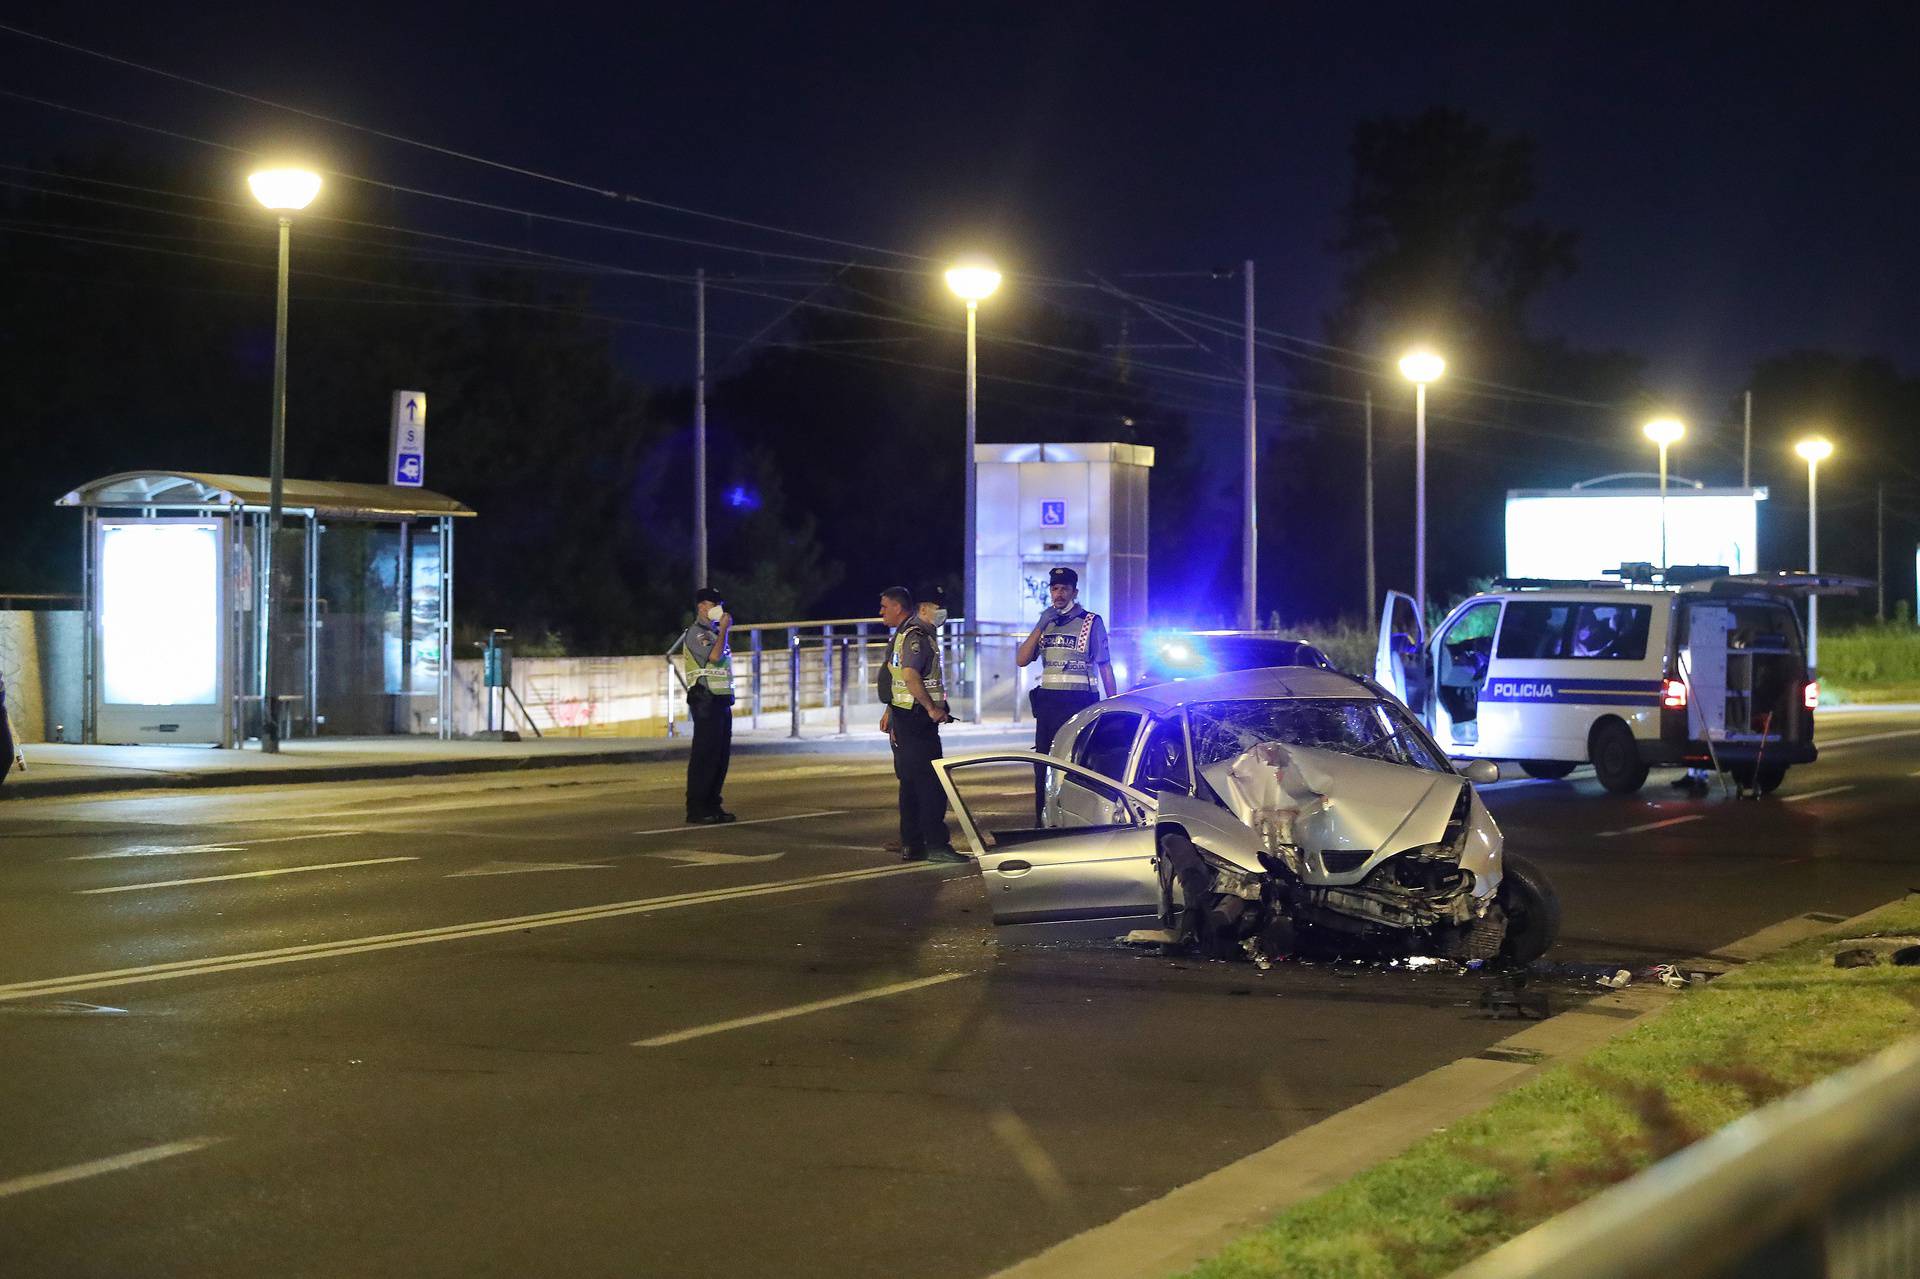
132,1159
425,936
692,858
1870,737
1671,821
1813,794
751,821
236,846
247,874
798,1010
525,868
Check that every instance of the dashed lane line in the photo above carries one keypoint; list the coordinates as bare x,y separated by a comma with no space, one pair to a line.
1671,821
797,1010
181,850
114,1163
1814,794
244,874
172,969
751,821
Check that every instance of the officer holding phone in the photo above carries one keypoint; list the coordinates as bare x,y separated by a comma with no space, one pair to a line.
706,668
1071,644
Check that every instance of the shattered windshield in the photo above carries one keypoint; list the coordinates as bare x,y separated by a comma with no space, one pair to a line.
1366,727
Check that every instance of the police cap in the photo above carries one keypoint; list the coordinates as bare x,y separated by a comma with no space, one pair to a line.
1064,576
707,595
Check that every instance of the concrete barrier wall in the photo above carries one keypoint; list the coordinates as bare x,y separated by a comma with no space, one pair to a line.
40,658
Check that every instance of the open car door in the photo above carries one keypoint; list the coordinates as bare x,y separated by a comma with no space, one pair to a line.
1400,657
1061,874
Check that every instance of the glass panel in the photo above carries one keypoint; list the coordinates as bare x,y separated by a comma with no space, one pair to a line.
1612,632
1163,764
1368,728
1106,746
1535,630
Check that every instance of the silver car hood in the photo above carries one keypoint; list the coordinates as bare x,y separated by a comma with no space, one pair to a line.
1320,800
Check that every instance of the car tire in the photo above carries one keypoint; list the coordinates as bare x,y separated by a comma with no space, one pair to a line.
1532,908
1616,757
1762,781
1547,770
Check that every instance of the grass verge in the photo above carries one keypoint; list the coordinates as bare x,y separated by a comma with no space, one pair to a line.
1572,1131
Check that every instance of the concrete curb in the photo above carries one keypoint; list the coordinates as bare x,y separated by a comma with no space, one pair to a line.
18,787
1191,1223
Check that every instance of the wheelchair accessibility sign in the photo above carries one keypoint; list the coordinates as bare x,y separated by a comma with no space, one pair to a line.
1053,515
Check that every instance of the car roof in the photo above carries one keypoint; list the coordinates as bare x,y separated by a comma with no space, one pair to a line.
1265,681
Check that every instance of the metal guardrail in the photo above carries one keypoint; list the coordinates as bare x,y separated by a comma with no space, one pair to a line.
1823,1183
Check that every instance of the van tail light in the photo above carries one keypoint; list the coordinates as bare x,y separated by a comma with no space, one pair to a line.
1673,694
1811,699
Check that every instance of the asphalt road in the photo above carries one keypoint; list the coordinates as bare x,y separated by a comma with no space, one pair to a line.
528,1024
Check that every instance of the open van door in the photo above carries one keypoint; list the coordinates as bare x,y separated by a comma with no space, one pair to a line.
1400,659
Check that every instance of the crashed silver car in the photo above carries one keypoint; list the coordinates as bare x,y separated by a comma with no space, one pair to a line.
1278,810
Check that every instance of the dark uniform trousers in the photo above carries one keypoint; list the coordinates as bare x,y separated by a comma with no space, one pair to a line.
923,804
712,749
1052,707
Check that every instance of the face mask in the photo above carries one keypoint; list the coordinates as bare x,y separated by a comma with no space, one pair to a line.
716,617
939,617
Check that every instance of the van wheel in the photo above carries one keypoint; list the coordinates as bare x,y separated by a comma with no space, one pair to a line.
1547,770
1616,759
1765,781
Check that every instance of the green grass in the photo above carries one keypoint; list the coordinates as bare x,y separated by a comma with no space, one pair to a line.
1573,1130
1879,662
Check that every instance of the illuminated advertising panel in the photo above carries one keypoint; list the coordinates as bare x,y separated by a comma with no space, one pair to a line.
160,617
1581,535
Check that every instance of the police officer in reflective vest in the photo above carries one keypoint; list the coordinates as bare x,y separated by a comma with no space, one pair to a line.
912,687
1071,644
706,664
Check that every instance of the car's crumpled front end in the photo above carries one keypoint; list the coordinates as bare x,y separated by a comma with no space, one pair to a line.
1348,845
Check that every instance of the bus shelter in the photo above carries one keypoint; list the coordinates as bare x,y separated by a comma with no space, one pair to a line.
174,627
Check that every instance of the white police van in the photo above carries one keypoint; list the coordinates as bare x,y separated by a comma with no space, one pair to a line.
1707,672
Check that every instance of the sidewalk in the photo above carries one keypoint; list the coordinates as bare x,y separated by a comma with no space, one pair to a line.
59,769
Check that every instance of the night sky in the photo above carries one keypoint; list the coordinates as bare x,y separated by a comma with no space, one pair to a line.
1742,185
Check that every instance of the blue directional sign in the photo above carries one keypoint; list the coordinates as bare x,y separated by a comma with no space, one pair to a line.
1053,515
407,439
407,469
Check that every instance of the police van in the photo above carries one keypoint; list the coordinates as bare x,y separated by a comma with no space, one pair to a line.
1704,670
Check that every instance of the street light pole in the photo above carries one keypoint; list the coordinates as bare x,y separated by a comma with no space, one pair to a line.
1250,530
700,582
1420,368
1663,432
1815,451
285,191
972,283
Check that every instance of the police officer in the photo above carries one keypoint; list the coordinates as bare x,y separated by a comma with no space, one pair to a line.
1072,645
914,691
706,664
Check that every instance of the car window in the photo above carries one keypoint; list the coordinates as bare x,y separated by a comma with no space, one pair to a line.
1534,630
1611,632
1367,727
1104,747
1163,763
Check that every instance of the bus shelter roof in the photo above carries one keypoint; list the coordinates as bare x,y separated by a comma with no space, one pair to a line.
195,490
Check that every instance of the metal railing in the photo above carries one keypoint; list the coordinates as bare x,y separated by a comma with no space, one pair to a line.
831,666
1823,1183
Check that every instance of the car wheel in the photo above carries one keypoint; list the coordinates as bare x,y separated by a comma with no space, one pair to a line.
1532,908
1616,758
1547,770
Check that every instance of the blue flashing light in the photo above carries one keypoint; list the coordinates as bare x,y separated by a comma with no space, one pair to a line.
742,498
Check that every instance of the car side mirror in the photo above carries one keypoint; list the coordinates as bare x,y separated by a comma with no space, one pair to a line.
1480,772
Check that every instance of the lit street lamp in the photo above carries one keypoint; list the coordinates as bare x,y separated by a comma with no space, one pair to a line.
972,283
1420,367
1664,431
1815,450
286,192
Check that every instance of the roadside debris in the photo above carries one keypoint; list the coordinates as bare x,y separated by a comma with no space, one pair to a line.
1619,979
1856,957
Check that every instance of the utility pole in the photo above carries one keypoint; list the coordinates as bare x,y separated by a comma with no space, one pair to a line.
700,581
1372,584
1880,549
1746,448
1250,541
